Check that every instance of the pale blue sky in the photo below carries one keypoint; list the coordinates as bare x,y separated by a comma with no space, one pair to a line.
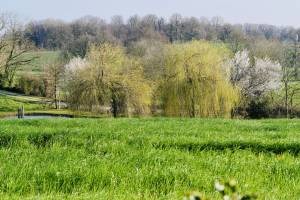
277,12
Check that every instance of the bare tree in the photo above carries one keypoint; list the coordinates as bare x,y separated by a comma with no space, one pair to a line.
13,49
53,76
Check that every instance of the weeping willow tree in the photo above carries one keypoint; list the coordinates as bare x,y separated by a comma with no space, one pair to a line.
107,78
195,82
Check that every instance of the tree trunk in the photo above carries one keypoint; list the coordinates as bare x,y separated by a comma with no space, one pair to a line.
114,106
114,103
193,113
286,99
55,96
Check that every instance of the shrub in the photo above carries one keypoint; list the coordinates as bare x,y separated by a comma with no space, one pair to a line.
258,109
31,85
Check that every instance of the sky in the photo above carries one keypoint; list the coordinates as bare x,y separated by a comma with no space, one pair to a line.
275,12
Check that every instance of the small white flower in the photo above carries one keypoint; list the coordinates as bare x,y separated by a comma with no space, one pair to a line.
226,197
193,196
219,187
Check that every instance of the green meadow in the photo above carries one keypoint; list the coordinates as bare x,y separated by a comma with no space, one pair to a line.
12,103
155,158
41,59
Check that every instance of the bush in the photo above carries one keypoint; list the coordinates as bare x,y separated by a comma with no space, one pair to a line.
32,85
258,109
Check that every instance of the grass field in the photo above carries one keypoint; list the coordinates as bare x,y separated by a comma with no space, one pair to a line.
42,59
154,158
11,104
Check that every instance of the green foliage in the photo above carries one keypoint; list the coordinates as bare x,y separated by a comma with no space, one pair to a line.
120,159
195,82
109,78
258,109
77,48
31,85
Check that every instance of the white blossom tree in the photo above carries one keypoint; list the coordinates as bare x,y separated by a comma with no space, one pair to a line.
240,66
255,80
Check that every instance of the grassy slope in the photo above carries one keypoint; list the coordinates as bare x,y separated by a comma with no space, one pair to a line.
11,104
147,158
43,58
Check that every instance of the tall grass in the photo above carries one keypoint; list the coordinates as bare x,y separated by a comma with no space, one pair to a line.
155,158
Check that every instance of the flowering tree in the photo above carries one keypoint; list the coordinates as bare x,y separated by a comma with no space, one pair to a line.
255,80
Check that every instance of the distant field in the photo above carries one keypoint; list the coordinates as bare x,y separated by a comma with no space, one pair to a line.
42,58
155,158
11,104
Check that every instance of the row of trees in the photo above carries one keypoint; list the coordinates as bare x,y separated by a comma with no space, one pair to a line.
192,82
191,79
75,37
153,66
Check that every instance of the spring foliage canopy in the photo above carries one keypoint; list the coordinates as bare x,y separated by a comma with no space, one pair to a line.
194,83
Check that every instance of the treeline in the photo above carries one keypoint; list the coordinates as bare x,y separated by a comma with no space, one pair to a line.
191,79
185,67
74,37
